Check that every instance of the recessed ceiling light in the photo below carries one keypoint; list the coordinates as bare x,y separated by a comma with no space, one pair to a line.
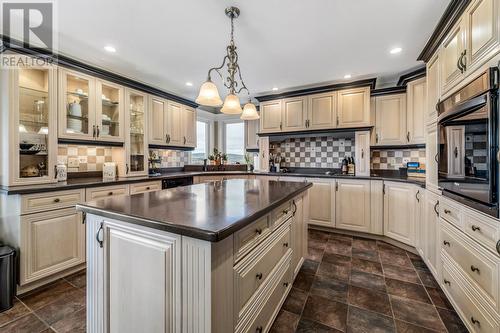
110,48
396,50
189,84
275,88
347,76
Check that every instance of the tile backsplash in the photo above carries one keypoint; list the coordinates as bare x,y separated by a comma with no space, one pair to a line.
313,152
89,158
392,159
171,158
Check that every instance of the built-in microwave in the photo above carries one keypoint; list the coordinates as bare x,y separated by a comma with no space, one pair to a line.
468,144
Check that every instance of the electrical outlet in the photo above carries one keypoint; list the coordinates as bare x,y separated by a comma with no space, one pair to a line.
406,159
73,162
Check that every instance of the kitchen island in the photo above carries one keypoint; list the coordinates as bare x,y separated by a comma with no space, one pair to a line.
212,257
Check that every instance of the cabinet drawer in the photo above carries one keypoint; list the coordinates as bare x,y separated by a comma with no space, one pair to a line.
255,268
480,267
450,212
472,314
106,191
482,229
145,187
282,212
32,203
250,236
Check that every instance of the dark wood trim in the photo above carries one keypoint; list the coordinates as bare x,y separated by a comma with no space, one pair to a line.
171,147
388,91
90,142
253,150
411,76
62,60
317,132
450,16
315,90
411,146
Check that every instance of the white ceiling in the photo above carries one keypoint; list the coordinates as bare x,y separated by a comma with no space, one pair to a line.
282,43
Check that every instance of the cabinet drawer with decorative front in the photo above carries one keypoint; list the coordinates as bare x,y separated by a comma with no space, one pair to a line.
106,191
145,187
247,238
41,202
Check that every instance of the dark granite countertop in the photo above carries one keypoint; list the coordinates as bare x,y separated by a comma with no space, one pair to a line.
77,183
210,211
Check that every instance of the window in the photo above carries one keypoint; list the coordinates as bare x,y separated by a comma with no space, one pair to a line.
235,142
201,151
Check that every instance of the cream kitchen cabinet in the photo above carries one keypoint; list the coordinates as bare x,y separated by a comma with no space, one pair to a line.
362,153
400,204
352,204
390,120
294,114
90,109
322,202
251,138
96,193
299,233
270,116
416,97
158,109
433,88
431,153
322,111
173,124
188,125
353,107
451,54
429,232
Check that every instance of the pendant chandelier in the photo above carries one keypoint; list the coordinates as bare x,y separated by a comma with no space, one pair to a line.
209,95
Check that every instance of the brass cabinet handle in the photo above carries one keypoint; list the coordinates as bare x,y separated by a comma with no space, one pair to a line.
376,137
475,228
281,125
447,211
447,282
185,140
294,207
475,269
99,236
417,196
436,208
362,153
97,131
126,168
436,158
459,64
408,136
166,138
475,321
498,246
463,60
445,242
259,276
93,131
455,152
338,121
56,200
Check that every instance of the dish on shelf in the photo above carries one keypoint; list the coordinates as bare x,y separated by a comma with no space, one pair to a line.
26,146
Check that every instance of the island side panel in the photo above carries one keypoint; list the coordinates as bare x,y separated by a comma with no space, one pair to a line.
95,276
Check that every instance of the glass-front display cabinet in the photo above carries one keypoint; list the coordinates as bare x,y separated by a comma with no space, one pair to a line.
89,109
29,126
136,144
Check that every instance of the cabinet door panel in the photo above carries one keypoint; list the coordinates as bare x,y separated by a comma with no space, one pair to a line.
136,145
353,109
431,150
189,126
110,118
456,142
352,205
321,111
294,114
270,116
399,212
430,233
451,51
322,203
251,137
390,120
158,109
417,102
362,153
433,88
174,125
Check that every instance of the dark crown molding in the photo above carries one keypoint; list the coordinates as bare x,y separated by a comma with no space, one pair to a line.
308,91
388,91
450,16
61,60
411,76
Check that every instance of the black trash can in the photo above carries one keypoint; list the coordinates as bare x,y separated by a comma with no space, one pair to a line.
8,281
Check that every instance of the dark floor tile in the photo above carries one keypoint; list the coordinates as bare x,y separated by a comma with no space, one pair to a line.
439,298
401,273
366,266
364,244
27,324
309,326
363,321
78,279
335,271
412,255
370,255
417,313
339,246
325,311
395,259
409,290
49,330
286,322
63,307
419,264
369,300
74,323
318,235
295,301
427,279
303,281
314,254
341,237
336,258
317,244
452,321
47,294
330,288
17,311
403,327
388,248
309,266
368,281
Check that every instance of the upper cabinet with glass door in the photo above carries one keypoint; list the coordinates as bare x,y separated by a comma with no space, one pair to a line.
136,144
89,109
29,126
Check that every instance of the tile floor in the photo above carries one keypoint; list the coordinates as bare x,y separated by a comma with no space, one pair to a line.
346,285
351,284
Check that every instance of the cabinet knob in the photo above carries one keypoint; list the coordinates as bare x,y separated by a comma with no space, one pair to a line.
475,269
110,193
285,244
447,211
447,282
258,231
258,329
286,284
475,228
148,188
445,242
259,276
56,200
498,247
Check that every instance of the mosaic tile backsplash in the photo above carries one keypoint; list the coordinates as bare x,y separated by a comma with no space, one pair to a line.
89,158
393,159
315,152
171,158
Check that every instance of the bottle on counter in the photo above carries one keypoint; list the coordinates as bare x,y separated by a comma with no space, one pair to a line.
344,166
351,168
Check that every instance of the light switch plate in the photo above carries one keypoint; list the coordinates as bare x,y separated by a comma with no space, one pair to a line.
73,162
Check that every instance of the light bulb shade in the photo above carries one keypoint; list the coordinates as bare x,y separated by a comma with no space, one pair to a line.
231,105
249,112
209,95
